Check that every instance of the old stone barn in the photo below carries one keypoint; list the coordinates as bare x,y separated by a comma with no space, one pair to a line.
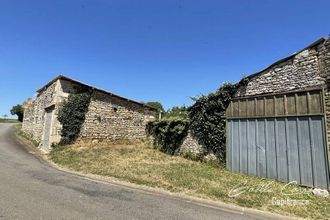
109,117
278,125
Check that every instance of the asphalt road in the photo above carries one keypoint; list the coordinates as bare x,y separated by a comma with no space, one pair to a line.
32,189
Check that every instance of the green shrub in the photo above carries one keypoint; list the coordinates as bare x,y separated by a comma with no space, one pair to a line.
177,112
72,115
156,105
168,134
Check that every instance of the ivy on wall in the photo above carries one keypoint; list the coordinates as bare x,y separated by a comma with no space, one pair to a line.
168,134
72,115
207,118
206,122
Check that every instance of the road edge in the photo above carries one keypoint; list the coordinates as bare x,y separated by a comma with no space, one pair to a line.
256,213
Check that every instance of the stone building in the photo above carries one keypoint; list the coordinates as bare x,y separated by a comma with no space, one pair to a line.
278,125
109,117
307,69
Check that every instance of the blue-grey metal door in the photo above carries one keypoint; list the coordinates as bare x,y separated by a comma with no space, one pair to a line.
286,149
282,147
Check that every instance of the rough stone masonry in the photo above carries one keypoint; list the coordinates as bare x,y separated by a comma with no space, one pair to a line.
109,117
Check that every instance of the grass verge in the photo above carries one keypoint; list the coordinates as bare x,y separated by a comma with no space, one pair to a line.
26,137
141,164
6,120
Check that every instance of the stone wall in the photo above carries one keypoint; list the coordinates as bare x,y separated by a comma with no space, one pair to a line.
309,68
33,121
190,145
28,119
301,71
190,148
62,91
324,62
110,118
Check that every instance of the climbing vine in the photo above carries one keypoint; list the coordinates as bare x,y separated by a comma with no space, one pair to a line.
72,115
206,122
207,118
168,134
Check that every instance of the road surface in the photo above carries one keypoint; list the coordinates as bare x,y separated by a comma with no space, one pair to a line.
32,189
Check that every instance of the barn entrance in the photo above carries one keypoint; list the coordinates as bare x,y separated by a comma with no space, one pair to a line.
47,128
281,137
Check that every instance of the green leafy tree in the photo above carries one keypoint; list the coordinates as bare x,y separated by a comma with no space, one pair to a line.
19,111
177,112
156,105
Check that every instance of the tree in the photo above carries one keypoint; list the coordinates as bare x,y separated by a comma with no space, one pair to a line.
156,105
19,111
177,112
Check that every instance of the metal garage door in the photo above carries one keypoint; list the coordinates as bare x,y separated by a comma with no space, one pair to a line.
280,137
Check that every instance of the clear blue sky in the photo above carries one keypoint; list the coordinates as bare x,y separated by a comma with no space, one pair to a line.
151,50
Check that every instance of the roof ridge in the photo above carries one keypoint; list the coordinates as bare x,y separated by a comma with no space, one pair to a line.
61,76
322,39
